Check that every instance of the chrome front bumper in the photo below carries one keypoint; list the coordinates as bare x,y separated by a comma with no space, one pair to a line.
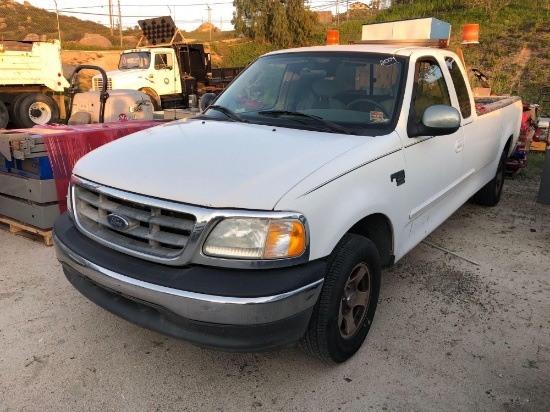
221,310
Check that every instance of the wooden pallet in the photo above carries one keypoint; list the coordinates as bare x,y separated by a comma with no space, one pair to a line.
17,227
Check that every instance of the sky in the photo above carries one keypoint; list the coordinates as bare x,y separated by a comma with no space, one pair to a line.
187,14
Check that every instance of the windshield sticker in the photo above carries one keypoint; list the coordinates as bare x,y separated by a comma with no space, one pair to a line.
389,61
376,116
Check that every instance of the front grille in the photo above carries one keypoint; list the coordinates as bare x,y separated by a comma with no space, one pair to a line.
98,84
151,230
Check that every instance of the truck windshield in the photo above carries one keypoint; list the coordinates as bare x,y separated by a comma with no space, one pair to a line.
331,91
134,60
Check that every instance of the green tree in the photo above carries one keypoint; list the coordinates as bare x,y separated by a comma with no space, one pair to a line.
283,23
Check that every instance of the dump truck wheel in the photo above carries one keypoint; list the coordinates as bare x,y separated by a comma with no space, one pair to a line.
4,116
154,98
12,104
33,109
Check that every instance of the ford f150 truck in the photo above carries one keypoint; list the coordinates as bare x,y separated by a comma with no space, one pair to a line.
266,220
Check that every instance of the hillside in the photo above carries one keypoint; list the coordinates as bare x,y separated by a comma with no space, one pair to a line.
514,49
17,21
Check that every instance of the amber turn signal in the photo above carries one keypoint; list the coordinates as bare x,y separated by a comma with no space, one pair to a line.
285,239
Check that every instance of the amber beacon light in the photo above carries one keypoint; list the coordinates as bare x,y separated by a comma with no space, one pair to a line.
333,37
470,34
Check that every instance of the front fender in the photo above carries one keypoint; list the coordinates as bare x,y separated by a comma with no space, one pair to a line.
346,190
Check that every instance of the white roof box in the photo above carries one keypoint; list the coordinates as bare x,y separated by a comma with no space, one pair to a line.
424,31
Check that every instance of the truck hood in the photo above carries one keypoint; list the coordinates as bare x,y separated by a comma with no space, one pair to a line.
121,73
122,78
217,164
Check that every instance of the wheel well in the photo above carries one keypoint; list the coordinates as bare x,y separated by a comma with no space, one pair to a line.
378,229
152,93
507,146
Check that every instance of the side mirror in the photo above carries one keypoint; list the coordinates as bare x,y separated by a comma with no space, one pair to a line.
206,100
437,120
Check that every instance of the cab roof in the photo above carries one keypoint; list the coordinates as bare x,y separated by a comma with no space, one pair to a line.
395,49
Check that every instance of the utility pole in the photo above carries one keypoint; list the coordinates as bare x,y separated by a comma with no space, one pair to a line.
209,19
57,15
337,12
120,23
111,16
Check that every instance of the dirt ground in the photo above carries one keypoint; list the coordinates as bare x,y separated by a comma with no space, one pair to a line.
449,335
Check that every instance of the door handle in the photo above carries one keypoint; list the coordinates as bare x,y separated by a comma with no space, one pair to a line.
459,145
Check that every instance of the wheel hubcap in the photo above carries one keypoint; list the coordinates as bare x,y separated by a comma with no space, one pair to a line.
355,301
40,113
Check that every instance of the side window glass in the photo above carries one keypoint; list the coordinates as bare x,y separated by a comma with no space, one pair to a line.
460,87
431,88
161,61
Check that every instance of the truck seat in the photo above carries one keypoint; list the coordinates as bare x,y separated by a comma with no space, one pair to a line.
321,96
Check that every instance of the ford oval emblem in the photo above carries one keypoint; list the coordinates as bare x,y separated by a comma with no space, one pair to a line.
118,222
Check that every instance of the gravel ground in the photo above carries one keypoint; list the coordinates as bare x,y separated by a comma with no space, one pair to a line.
448,334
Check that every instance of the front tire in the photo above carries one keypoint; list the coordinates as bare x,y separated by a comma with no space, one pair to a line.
489,195
345,310
31,109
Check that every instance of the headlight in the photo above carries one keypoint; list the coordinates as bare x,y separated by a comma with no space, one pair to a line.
256,238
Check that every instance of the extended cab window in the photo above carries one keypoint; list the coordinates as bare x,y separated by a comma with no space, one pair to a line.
460,87
431,88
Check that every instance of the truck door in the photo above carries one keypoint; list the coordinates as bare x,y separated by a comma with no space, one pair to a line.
434,164
164,73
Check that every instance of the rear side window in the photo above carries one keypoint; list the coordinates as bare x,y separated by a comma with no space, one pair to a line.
460,87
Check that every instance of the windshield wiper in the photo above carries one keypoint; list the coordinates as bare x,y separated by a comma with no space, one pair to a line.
328,124
229,113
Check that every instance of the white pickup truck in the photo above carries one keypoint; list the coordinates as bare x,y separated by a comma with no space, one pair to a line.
266,220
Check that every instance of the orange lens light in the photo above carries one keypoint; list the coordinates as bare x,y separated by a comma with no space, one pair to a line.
470,34
285,239
333,37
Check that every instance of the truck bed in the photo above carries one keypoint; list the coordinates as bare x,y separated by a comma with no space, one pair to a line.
486,105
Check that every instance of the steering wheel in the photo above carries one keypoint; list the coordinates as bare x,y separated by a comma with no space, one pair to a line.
362,106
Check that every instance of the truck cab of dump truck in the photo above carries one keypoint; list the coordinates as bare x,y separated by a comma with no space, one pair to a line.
166,74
